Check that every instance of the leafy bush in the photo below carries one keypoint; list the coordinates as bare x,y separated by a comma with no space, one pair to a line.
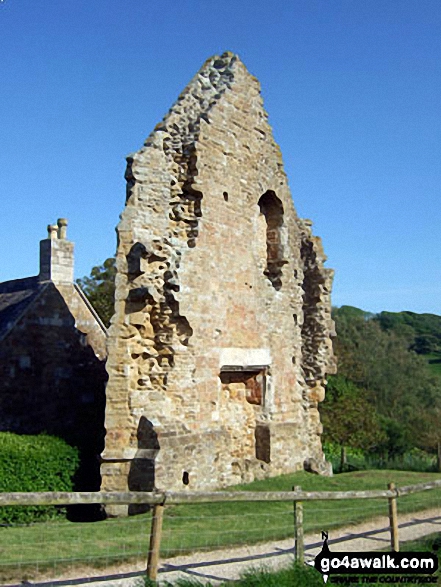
34,463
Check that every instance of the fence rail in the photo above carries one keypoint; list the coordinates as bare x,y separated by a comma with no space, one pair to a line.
159,501
193,497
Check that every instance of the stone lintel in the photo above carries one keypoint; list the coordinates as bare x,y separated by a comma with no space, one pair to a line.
239,358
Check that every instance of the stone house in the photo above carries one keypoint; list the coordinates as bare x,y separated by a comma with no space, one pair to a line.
52,357
221,339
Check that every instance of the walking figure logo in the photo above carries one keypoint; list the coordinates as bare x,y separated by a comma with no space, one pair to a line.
376,563
324,553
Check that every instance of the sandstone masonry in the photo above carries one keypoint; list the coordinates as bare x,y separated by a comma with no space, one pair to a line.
220,342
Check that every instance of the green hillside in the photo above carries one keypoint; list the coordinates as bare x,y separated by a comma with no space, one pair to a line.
422,332
386,398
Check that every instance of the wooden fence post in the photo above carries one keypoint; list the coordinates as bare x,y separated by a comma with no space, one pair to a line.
298,529
155,541
393,520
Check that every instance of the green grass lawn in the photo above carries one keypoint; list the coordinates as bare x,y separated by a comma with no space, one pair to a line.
57,544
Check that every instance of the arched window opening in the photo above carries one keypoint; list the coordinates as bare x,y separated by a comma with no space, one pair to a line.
272,208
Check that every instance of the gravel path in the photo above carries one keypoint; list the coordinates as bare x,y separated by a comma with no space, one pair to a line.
228,564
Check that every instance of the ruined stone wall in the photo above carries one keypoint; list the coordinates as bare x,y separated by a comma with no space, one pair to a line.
220,343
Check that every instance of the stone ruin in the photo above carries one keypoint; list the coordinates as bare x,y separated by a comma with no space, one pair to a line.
221,338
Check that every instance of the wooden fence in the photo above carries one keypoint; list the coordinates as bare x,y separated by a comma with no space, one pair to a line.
159,500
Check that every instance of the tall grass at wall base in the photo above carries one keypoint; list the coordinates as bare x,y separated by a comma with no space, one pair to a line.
34,463
357,460
414,460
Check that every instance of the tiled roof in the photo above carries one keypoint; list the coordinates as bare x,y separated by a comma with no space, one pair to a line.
15,297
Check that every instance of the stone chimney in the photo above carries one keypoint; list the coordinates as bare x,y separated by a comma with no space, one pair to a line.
56,254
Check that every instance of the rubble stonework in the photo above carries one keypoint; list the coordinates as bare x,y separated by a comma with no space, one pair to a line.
220,342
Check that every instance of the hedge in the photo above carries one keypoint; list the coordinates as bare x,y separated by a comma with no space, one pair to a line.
34,463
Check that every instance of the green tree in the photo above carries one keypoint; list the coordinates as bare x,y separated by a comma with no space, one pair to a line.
100,289
348,418
427,425
396,381
397,439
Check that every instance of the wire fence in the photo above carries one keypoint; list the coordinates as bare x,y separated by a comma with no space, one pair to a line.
61,548
182,523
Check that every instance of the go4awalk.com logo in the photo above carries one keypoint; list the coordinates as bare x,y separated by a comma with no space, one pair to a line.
400,567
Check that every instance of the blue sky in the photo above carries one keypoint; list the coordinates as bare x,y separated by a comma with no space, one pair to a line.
353,91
